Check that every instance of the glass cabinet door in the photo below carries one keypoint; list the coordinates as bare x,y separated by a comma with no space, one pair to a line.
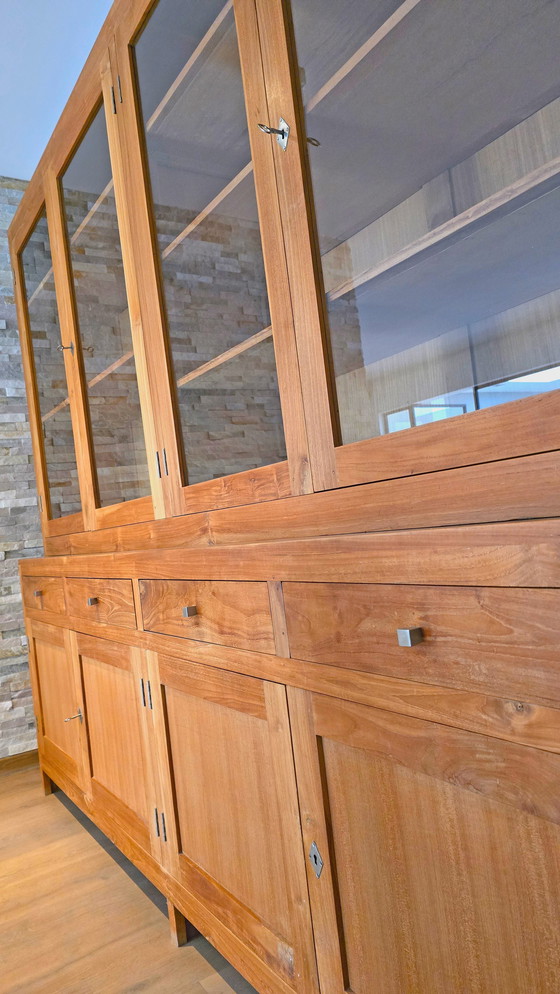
437,192
50,377
103,320
205,211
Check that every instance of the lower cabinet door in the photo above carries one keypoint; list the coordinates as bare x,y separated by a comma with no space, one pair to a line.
116,701
434,854
231,819
61,726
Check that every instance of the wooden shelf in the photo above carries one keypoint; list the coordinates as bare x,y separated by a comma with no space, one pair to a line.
464,225
446,81
478,271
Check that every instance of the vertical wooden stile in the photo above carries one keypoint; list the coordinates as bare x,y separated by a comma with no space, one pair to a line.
285,347
142,278
73,362
300,238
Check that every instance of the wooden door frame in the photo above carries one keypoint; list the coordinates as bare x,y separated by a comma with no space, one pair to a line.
272,699
44,192
65,640
520,428
267,482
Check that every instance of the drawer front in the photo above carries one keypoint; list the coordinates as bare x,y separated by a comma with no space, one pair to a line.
43,593
106,602
229,613
500,641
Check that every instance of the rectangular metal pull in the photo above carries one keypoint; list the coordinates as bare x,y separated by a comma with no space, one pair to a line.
150,695
163,828
92,601
37,593
189,611
157,822
143,692
113,100
410,636
158,465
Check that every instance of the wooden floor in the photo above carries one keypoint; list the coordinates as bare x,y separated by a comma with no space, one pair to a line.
72,921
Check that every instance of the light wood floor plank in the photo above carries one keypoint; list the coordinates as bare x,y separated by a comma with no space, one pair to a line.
73,922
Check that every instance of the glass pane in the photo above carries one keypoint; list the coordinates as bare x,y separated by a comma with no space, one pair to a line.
95,251
234,411
208,234
437,186
58,440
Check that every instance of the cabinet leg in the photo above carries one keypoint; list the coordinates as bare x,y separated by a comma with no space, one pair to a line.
181,929
48,786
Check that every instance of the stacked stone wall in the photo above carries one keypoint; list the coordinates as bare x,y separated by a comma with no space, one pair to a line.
19,520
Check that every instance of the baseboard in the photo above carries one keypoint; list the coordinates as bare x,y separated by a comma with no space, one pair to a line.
20,762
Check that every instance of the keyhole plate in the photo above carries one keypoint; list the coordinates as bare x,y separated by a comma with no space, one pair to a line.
316,859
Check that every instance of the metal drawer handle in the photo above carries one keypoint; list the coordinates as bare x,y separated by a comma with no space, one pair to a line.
189,611
410,636
37,593
74,716
91,601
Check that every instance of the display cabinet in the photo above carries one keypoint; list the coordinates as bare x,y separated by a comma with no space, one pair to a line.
288,297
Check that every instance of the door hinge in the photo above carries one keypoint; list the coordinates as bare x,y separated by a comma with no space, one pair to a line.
316,859
159,817
113,99
120,89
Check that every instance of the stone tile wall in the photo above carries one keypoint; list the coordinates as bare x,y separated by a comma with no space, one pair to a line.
20,533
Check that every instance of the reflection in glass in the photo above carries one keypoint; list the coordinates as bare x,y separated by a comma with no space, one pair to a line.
95,251
208,234
50,377
437,188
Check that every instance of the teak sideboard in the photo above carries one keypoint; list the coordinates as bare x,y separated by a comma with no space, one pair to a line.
288,290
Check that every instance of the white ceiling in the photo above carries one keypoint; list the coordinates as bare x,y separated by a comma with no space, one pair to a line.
43,46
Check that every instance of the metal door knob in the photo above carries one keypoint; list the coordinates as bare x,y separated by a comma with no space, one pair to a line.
410,636
74,716
282,132
271,131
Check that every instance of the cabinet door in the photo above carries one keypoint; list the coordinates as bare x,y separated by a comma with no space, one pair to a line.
116,697
197,74
59,702
232,825
46,360
437,202
441,853
104,336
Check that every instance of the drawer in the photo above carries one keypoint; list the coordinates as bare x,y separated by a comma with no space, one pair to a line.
107,602
498,640
233,613
43,593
